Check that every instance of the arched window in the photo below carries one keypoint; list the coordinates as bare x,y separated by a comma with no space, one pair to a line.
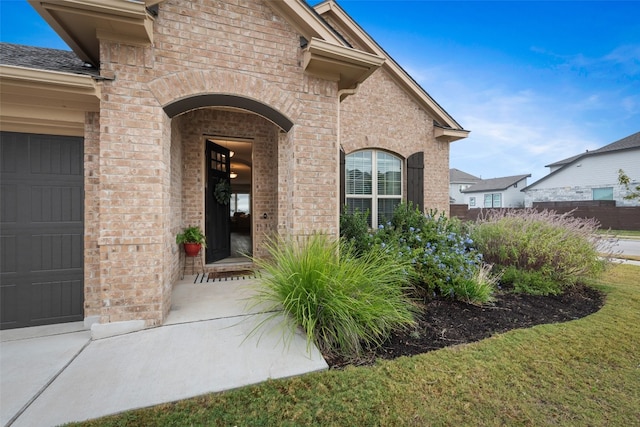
373,181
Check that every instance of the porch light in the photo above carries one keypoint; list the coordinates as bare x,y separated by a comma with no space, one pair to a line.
233,175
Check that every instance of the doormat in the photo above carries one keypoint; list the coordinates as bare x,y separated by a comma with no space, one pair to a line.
219,276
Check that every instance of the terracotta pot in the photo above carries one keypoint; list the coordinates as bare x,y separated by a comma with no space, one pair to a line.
192,249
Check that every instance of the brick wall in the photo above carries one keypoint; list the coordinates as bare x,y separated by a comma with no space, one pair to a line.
382,115
436,177
172,179
315,164
151,172
92,294
175,190
132,168
285,189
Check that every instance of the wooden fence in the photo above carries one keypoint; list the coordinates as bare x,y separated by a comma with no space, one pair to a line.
606,212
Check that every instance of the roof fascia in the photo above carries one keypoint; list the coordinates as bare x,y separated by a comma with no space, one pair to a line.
80,84
80,22
349,67
304,20
449,135
331,7
45,101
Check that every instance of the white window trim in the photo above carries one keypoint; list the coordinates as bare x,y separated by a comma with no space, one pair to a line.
493,196
373,215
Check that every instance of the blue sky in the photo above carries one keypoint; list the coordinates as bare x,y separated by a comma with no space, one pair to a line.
535,82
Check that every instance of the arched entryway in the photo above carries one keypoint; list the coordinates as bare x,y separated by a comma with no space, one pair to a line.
230,101
228,184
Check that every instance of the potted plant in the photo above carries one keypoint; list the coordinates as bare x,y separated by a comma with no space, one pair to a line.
192,238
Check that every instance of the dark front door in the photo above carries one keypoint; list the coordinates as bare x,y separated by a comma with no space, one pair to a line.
217,207
41,229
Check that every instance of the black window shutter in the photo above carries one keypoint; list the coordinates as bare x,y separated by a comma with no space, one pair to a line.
343,178
415,180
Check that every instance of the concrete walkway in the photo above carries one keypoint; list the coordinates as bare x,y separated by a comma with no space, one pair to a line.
53,375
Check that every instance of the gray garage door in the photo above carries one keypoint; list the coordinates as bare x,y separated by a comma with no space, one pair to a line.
41,235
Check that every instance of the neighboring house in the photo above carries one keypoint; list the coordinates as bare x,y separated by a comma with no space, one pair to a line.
592,175
459,181
505,192
110,150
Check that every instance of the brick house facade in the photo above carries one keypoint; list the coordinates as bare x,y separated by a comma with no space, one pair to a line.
302,87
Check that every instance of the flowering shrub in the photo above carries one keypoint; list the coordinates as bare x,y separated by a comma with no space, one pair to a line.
541,252
441,253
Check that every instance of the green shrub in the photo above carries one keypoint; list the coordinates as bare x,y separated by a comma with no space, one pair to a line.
441,253
354,228
529,282
480,288
343,301
559,248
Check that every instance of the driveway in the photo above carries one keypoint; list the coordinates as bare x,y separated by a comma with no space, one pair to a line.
57,374
628,247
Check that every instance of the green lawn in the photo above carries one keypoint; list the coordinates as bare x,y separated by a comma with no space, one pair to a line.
622,233
584,372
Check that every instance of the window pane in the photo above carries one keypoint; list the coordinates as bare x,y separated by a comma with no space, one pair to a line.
386,208
472,201
389,174
243,203
359,173
363,205
497,200
603,193
488,200
240,202
361,170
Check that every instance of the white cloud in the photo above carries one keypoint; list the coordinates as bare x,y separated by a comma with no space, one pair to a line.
621,63
627,57
631,105
514,130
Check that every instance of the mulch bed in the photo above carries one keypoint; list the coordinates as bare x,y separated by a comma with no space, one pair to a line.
444,322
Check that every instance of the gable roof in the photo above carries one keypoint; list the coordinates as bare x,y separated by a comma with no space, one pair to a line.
82,23
631,142
446,128
495,184
456,176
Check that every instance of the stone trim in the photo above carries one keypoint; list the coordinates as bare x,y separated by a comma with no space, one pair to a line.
172,88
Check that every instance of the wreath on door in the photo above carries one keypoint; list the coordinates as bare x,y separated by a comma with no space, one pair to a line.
222,192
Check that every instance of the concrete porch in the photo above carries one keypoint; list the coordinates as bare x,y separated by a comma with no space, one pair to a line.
201,297
57,374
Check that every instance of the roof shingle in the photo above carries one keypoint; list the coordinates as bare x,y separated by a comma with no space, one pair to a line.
42,58
492,184
456,176
631,141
